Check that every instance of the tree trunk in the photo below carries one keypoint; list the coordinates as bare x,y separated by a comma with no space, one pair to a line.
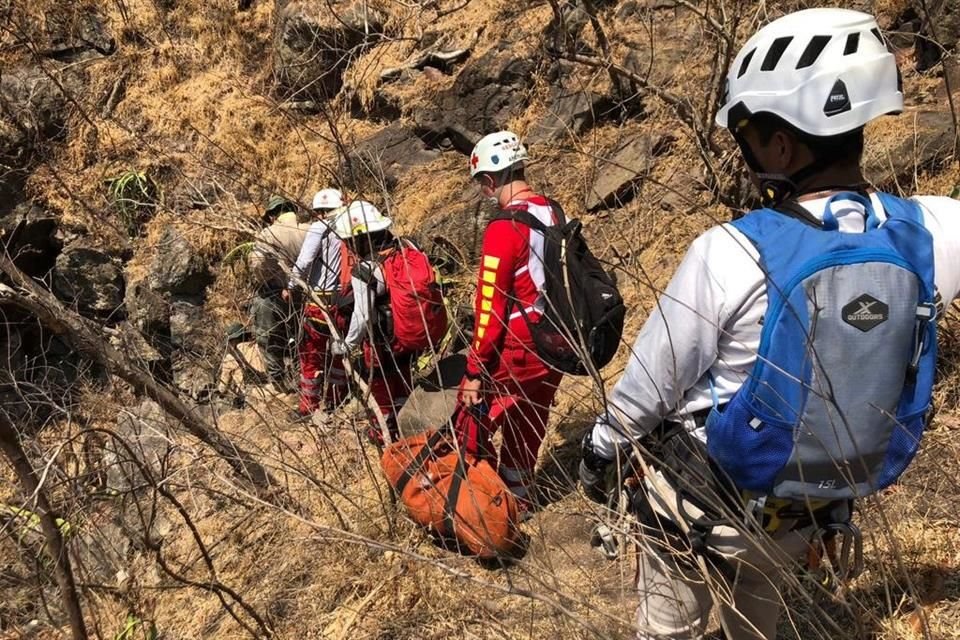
53,540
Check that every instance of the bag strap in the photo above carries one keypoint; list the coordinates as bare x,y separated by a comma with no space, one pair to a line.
525,217
450,507
558,211
418,460
793,209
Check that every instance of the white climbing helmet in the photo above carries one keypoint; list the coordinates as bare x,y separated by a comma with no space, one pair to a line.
496,152
327,199
359,218
825,71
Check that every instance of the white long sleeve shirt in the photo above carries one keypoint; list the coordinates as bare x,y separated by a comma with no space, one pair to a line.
364,296
319,261
707,323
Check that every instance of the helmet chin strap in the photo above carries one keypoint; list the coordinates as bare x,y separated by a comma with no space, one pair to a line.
776,188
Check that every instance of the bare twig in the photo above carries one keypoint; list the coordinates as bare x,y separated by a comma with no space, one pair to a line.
946,80
29,295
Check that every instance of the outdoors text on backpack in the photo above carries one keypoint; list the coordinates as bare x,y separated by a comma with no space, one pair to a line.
836,403
582,323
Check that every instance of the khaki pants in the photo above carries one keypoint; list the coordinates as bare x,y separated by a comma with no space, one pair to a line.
676,600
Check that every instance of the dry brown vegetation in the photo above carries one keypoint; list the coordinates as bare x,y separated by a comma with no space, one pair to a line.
172,538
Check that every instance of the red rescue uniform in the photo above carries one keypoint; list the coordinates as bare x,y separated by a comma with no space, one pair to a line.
522,386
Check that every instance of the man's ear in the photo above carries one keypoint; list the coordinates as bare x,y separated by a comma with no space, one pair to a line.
783,146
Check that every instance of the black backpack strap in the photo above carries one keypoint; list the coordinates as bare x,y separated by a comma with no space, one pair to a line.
418,460
365,273
557,211
793,209
523,217
450,508
527,218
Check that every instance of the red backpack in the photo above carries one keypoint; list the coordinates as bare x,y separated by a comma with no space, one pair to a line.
416,301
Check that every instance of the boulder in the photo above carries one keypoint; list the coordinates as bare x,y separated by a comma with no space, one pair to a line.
388,154
315,41
69,36
490,90
148,311
619,174
193,337
32,110
945,16
571,112
177,269
90,280
922,138
148,431
135,346
186,322
149,315
30,236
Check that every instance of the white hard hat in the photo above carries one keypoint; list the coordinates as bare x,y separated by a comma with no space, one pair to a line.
327,199
496,152
824,71
359,218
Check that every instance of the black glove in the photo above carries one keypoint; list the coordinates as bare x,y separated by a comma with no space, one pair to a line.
594,471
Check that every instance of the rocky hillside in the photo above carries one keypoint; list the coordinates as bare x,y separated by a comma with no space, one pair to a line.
139,140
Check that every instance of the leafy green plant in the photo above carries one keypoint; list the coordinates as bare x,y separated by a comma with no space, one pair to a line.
239,254
32,520
135,196
131,626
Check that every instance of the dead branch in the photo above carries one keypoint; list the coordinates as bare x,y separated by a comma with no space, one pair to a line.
931,23
53,539
620,86
432,58
28,295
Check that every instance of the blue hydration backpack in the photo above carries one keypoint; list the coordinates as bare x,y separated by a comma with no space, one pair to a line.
836,403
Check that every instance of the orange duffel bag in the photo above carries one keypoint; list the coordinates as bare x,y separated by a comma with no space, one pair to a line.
453,495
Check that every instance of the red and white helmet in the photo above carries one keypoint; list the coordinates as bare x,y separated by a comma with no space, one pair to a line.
824,71
326,199
359,218
496,152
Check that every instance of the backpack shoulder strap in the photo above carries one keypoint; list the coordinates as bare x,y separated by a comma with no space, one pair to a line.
793,209
557,211
521,216
901,208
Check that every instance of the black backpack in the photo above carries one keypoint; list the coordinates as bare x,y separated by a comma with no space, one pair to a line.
583,318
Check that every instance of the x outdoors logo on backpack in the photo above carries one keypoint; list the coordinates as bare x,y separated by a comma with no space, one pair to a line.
865,313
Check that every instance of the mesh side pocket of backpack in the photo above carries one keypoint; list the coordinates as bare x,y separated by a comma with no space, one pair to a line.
752,452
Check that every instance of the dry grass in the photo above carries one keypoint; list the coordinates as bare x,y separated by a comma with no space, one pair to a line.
198,112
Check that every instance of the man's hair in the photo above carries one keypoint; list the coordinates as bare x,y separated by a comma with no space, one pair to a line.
842,148
505,176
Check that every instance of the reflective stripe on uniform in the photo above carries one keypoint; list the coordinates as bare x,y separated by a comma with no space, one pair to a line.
518,314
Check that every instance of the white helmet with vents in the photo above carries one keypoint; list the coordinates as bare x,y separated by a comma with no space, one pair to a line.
824,71
496,152
359,218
